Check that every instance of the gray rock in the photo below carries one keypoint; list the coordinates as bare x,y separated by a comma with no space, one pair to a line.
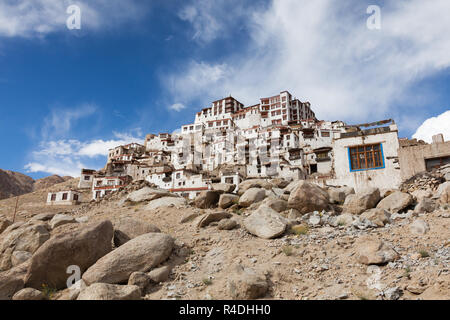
276,204
265,223
396,202
338,195
254,183
104,291
371,250
246,283
81,247
61,219
4,223
425,205
159,275
140,279
207,199
227,224
227,200
419,227
251,196
209,218
148,194
139,254
393,293
307,197
28,294
12,281
366,199
19,257
224,187
379,217
189,216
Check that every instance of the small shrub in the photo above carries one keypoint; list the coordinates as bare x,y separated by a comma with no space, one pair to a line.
288,250
207,282
48,291
424,253
299,230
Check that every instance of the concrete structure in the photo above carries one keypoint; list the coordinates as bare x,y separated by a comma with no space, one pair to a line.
418,156
105,185
63,198
86,179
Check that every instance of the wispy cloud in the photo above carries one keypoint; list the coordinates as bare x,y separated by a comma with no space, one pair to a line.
177,107
37,18
433,126
323,52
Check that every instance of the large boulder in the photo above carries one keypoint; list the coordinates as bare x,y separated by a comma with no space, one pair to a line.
265,223
29,294
338,195
227,200
148,194
279,182
19,257
224,187
81,247
139,254
209,218
276,204
160,274
396,202
21,237
104,291
246,283
126,229
364,200
377,216
251,196
12,281
4,223
227,224
307,197
207,199
254,183
371,250
61,219
165,202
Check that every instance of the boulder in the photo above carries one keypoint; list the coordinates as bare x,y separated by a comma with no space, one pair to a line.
276,204
28,294
279,183
159,275
444,192
45,217
227,224
251,196
419,227
189,216
139,254
166,202
105,291
364,200
254,183
425,205
338,195
224,187
227,200
4,223
421,194
278,192
207,199
345,219
148,194
12,281
61,219
371,250
265,223
209,218
81,247
379,217
21,237
396,202
307,197
19,257
246,283
126,229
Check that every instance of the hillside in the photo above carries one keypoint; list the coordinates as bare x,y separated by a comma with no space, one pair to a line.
14,184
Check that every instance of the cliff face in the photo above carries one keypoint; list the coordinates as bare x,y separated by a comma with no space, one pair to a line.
14,184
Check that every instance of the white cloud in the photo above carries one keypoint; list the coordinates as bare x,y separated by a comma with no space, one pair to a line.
322,52
433,126
68,157
177,107
26,18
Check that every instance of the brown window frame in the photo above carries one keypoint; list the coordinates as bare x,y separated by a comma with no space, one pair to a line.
366,157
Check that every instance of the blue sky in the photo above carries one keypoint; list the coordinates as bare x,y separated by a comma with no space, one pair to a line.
139,67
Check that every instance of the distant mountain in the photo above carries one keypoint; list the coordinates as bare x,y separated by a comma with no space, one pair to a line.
14,184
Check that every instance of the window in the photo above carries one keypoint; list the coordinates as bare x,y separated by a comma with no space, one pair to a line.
64,196
75,197
325,133
53,197
366,157
87,178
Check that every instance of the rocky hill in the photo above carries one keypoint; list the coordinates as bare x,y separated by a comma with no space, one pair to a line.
273,239
15,184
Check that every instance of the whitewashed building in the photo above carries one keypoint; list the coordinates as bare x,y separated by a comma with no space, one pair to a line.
63,198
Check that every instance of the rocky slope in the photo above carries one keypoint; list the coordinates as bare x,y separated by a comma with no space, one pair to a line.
271,240
49,181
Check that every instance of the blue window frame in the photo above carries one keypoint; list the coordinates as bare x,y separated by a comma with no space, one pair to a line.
366,157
